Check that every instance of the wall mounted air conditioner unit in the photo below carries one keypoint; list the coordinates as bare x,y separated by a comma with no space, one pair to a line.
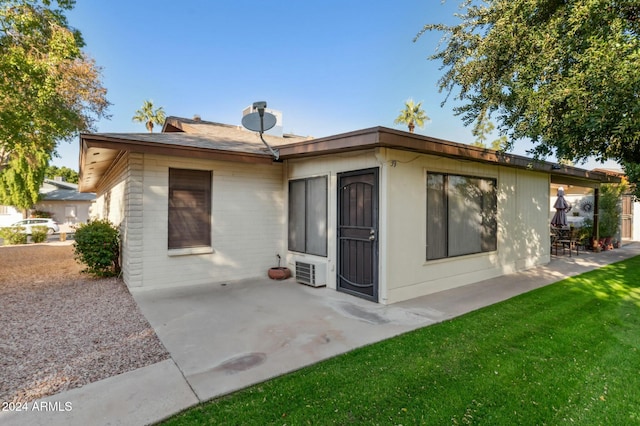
311,274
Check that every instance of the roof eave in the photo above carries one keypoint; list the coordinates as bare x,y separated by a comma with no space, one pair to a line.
89,141
389,138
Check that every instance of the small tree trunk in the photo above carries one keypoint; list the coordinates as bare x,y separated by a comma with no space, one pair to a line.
411,126
150,126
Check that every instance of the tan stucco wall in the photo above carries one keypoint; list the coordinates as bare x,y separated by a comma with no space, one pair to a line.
249,216
328,166
523,235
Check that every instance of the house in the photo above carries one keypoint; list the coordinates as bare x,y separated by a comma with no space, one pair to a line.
379,213
67,206
9,215
61,199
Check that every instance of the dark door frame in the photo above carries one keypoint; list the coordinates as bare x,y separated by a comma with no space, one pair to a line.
369,233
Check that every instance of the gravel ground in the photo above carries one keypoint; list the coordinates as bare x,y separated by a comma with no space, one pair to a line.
60,329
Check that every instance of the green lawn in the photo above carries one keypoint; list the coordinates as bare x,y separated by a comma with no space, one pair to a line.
568,353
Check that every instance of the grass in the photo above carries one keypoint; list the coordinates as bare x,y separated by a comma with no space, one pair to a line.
568,353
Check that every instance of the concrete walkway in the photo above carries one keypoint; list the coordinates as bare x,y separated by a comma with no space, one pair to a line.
225,337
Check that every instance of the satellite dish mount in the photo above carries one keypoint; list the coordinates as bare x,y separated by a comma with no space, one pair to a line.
260,121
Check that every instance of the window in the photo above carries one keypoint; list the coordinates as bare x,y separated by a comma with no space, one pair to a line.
461,215
189,208
308,215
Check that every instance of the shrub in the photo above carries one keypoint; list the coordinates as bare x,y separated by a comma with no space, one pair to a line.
39,234
13,235
610,209
41,213
97,246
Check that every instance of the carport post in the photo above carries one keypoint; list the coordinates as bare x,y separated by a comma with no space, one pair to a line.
596,214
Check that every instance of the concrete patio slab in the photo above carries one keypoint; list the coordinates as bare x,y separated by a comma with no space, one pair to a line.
225,337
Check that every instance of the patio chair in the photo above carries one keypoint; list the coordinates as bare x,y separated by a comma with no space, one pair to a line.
565,238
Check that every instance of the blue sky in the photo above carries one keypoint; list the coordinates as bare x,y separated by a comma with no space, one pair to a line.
330,67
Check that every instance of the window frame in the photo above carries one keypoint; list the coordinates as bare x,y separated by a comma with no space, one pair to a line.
293,223
486,245
177,183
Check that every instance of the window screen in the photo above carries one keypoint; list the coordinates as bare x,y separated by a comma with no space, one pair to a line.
308,215
461,215
189,208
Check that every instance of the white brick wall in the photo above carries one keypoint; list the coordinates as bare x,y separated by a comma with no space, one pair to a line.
119,199
247,223
248,220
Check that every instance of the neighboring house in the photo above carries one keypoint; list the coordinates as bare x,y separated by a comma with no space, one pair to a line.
67,206
382,214
62,199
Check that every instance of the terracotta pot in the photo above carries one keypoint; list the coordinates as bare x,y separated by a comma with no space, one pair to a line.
279,273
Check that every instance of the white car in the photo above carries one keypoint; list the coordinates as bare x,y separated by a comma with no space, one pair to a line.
51,225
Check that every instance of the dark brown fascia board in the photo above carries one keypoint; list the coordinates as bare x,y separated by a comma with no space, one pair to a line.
110,142
389,138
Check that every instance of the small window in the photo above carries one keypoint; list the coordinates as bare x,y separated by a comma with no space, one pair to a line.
189,208
461,215
308,215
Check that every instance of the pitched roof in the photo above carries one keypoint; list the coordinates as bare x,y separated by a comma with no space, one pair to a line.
208,140
55,190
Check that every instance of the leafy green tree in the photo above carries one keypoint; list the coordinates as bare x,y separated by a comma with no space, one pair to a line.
481,132
49,90
149,116
21,179
412,115
564,74
68,174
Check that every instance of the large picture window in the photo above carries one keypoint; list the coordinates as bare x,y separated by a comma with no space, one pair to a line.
189,208
461,215
308,215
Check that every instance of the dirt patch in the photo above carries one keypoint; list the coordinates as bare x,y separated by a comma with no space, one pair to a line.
60,329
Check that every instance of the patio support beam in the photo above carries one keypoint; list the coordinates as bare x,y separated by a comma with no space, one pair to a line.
596,214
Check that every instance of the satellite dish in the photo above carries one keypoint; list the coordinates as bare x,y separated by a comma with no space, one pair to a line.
256,123
260,121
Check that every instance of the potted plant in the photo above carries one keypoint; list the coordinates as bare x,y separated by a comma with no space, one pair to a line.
279,272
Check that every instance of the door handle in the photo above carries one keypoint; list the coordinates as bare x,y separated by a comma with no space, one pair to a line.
372,235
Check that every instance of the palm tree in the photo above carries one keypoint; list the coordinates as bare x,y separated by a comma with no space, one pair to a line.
412,115
147,115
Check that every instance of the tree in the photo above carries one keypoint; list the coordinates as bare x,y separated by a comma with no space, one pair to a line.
68,174
563,73
49,91
412,115
149,116
482,130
